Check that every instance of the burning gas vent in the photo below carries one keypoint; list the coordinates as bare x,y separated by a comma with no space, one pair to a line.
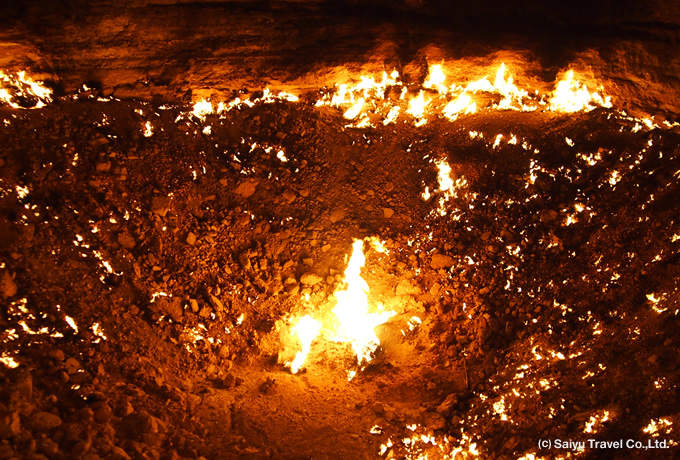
445,256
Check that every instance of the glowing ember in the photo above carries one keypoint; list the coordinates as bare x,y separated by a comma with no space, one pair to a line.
148,129
356,323
307,329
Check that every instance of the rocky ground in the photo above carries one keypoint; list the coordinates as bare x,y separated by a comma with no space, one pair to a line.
151,263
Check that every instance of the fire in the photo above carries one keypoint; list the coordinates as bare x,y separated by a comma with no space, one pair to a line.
367,100
351,320
356,324
435,79
307,329
416,107
571,96
17,86
448,188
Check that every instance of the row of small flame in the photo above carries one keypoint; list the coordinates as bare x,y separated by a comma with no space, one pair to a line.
371,100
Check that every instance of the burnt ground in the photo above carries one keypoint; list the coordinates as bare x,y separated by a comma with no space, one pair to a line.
179,259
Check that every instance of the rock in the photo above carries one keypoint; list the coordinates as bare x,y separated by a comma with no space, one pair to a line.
308,261
171,306
72,366
10,424
8,287
138,424
289,197
103,413
547,216
56,354
310,279
337,215
126,240
447,405
119,454
434,421
160,205
193,303
104,166
379,409
44,421
247,188
435,288
216,303
405,287
191,238
304,192
440,261
48,447
387,212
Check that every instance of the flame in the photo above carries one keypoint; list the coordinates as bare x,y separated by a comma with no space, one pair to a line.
448,188
351,320
571,96
356,324
19,85
368,96
307,329
202,108
435,79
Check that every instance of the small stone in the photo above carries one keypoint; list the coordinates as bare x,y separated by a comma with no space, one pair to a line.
439,261
72,366
405,287
10,424
191,238
103,413
48,447
246,188
337,215
229,381
310,279
304,192
56,354
160,205
387,212
8,287
216,303
447,405
485,236
223,352
103,166
171,306
193,303
289,197
126,240
308,261
325,248
547,216
434,421
44,421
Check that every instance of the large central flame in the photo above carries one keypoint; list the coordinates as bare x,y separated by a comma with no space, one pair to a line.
356,324
351,320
